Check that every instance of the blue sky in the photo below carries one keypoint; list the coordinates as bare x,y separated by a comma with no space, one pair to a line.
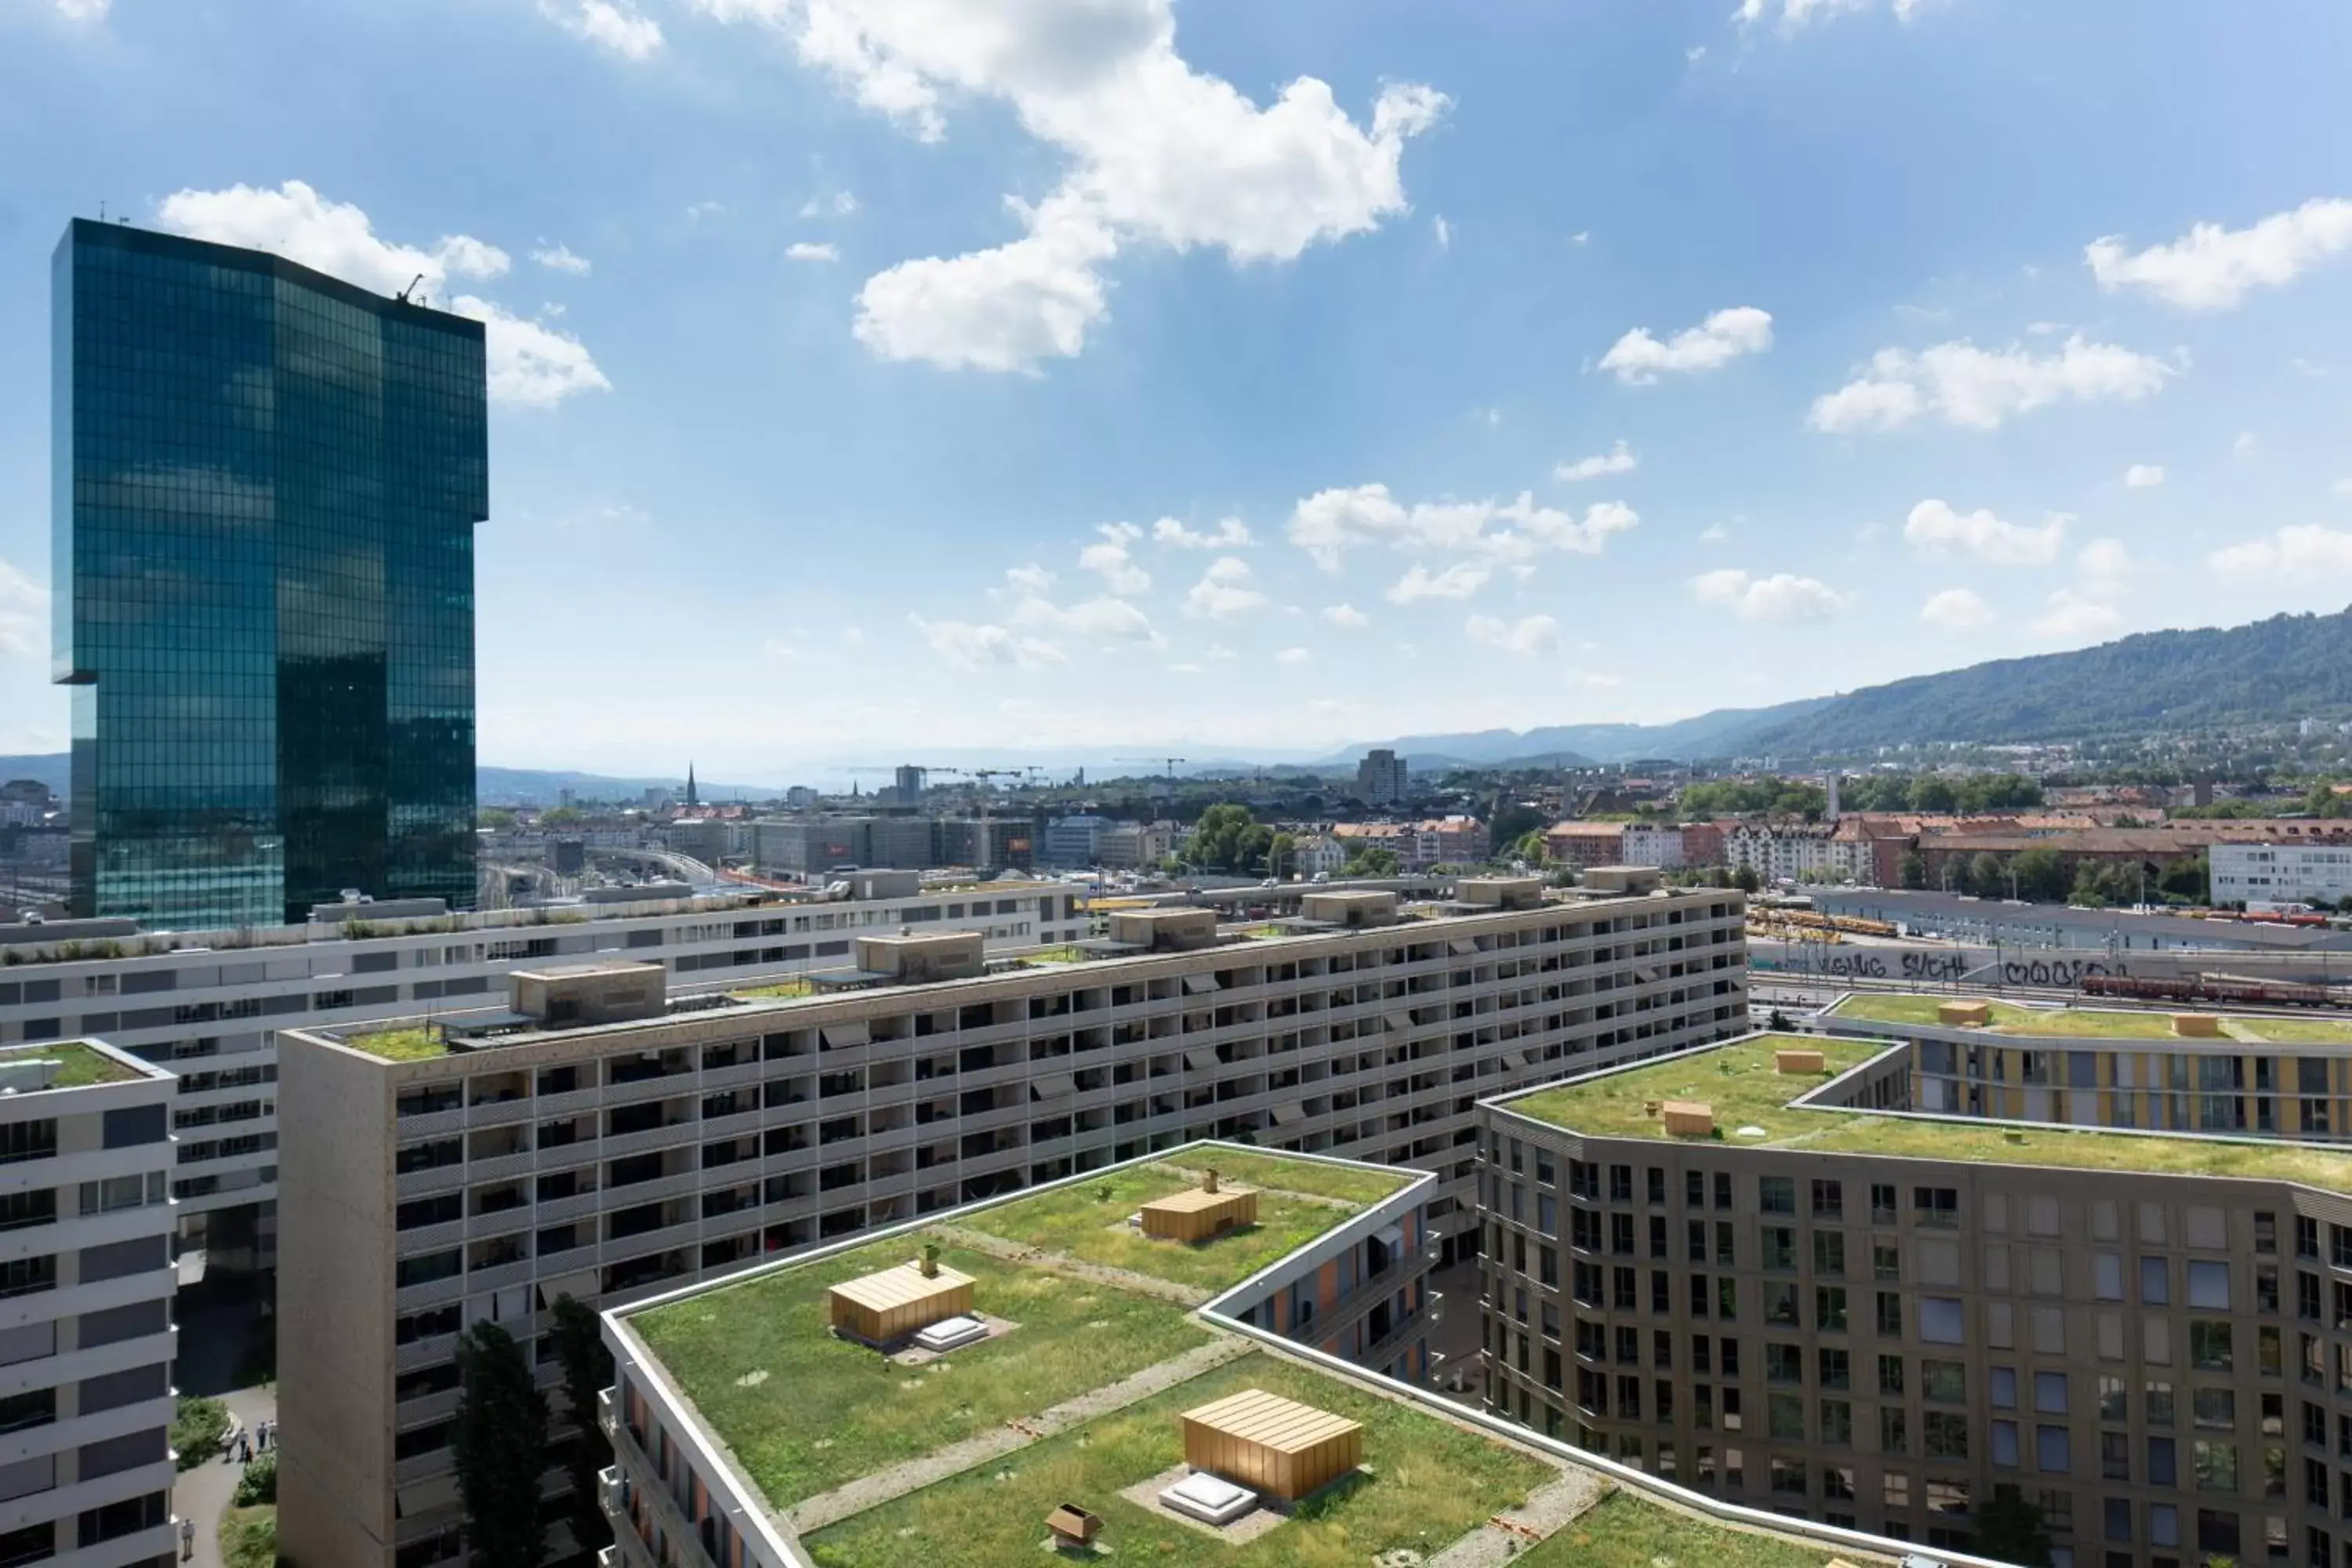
877,375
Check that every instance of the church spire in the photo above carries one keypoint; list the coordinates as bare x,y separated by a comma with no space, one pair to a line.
690,797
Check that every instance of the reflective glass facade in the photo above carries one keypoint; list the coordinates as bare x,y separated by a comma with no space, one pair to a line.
266,483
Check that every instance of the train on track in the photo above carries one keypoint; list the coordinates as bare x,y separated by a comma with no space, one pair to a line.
2219,988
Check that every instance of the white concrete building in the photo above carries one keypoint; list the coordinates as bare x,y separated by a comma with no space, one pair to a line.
601,1140
2280,873
1797,852
1319,854
85,1337
205,1005
1382,778
1653,844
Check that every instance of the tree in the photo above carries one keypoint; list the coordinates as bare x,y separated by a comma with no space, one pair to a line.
1512,820
1372,862
198,1425
2041,875
497,818
2010,1530
1282,857
1986,879
2185,878
1911,869
1220,839
561,817
587,1372
1746,880
499,1439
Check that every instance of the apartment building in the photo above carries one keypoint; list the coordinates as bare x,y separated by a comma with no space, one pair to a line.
1584,844
1756,1268
85,1337
1654,844
1382,778
205,1005
2269,1075
600,1141
2277,873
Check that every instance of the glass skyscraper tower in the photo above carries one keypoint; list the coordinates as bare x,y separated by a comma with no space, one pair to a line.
266,483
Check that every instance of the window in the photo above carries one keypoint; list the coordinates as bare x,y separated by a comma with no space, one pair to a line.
1941,1322
1784,1417
1776,1195
1829,1308
1894,1489
1780,1303
1890,1315
1882,1203
1946,1434
1829,1252
2216,1466
1779,1248
2209,1344
2001,1383
2004,1443
2050,1392
1788,1476
1938,1207
1784,1363
1829,1199
2161,1470
2213,1409
2107,1276
1885,1261
1892,1435
2114,1457
1945,1382
1890,1376
2114,1402
2209,1285
1836,1368
2158,1396
2155,1283
1837,1423
2053,1453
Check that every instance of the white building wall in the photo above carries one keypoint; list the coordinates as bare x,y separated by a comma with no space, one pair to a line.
2280,873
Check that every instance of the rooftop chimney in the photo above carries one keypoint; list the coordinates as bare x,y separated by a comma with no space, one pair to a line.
930,1263
1209,1181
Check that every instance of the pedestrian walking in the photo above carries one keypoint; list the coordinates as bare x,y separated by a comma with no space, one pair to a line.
187,1539
244,1449
263,1434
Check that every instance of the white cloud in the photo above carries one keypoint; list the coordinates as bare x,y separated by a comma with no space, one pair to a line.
2212,268
614,25
561,259
1978,388
2341,488
1795,14
841,204
1956,610
1458,580
810,251
2143,477
83,10
2245,445
1346,615
1638,358
2104,563
1156,152
1534,634
1328,522
1618,459
2297,550
530,363
1231,533
1444,231
1224,591
1936,531
970,645
1006,309
1714,534
1582,236
2075,614
1293,656
24,613
1101,620
1111,561
696,211
1783,597
1030,578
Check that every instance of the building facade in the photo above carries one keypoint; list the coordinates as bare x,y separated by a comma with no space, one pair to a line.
86,1341
1382,778
2271,873
618,1161
206,1006
1896,1322
1654,844
266,483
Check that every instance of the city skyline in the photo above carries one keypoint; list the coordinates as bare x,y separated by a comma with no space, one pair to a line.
1531,330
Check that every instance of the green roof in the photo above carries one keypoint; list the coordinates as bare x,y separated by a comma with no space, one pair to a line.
879,1463
1626,1530
1739,1082
79,1066
400,1043
1096,1302
2089,1023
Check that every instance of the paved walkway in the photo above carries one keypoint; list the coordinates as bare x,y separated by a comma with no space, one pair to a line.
203,1494
1512,1531
870,1491
1103,1274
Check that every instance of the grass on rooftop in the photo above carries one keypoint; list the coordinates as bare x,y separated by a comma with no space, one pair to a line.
2082,1023
418,1043
780,990
1048,955
79,1066
1087,1219
1739,1082
818,1412
1627,1531
1348,1183
1429,1483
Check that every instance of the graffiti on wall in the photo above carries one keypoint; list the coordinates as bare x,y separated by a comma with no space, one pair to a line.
1944,965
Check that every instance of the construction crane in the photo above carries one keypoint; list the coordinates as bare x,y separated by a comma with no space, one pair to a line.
1169,762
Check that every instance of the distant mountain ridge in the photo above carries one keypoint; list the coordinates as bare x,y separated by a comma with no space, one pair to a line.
2272,671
